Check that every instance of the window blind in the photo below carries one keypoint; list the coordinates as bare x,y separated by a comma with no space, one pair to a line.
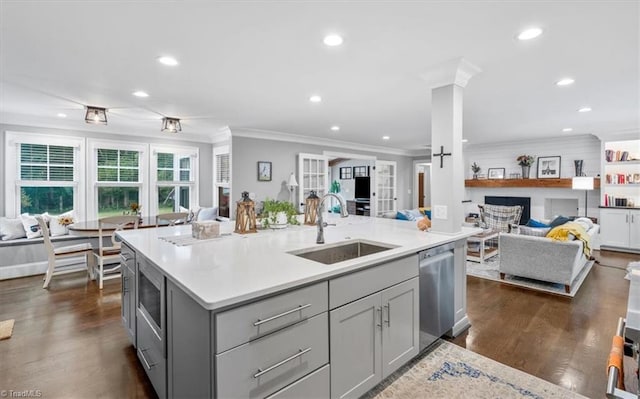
222,168
46,162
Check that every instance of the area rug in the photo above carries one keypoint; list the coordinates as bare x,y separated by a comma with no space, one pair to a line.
490,271
6,329
449,371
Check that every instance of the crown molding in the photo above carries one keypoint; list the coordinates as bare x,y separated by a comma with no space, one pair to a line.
222,135
319,141
456,71
624,134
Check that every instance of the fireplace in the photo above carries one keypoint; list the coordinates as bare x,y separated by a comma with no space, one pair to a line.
525,202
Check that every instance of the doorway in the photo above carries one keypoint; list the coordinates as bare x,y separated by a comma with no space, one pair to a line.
422,184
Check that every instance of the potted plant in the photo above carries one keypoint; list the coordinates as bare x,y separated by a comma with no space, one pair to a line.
475,168
277,214
525,161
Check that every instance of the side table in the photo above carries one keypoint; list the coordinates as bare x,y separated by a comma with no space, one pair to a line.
477,251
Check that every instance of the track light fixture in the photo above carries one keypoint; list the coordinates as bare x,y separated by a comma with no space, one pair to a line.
96,115
171,125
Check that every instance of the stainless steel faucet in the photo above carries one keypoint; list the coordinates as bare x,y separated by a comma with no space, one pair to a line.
321,223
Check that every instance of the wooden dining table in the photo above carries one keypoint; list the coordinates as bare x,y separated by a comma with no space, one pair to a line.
90,227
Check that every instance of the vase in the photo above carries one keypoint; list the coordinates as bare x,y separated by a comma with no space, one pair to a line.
280,220
475,176
525,171
578,164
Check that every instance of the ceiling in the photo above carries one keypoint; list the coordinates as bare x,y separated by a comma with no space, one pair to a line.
254,65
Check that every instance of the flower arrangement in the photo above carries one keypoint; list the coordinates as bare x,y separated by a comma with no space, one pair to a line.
135,207
65,220
475,168
525,160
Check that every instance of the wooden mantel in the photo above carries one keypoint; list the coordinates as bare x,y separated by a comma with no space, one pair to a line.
540,183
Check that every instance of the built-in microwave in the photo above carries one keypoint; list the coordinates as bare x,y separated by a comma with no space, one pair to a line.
151,301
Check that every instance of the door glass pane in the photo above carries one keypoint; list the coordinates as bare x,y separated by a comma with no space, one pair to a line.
223,202
116,200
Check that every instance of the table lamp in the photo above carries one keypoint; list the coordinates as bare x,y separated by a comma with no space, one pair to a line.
583,183
293,183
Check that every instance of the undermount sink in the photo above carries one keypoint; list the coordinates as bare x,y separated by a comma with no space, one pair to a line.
339,252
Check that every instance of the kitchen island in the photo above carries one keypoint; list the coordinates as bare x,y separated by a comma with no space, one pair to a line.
250,316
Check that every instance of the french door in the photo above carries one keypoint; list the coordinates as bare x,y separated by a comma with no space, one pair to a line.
313,175
385,195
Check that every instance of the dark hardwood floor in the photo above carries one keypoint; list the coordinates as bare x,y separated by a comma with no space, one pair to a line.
68,341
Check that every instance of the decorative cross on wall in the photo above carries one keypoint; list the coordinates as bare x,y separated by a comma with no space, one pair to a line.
442,155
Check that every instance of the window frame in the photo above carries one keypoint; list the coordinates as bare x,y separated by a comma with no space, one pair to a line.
193,183
222,150
92,166
13,140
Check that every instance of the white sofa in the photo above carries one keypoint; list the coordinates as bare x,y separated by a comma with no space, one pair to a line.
542,258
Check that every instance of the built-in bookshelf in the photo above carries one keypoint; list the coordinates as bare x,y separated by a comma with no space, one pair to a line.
621,174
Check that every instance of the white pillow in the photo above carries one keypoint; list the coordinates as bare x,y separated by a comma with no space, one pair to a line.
11,229
55,228
31,226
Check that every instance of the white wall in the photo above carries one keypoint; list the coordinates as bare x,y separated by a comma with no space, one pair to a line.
503,155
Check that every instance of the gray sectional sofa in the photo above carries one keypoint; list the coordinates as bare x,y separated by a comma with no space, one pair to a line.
542,258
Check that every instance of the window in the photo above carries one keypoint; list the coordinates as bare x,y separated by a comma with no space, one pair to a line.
345,173
360,171
47,176
174,177
222,180
117,171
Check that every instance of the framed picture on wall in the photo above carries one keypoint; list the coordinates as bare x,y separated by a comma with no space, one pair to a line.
496,173
264,171
345,173
549,167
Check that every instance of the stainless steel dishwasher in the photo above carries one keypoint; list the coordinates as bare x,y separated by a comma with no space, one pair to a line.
436,293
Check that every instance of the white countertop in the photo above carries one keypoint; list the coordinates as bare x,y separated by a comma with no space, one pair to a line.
236,268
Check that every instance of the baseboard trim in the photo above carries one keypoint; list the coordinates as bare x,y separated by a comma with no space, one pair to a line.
618,249
461,326
35,268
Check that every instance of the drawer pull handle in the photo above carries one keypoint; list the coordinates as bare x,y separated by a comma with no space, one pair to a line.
124,257
144,359
388,321
257,323
280,363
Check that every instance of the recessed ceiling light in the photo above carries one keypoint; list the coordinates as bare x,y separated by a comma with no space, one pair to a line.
567,129
465,140
315,99
61,115
140,94
167,60
585,109
529,34
333,40
565,82
385,137
335,128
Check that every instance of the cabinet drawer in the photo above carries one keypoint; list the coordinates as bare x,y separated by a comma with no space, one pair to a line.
151,355
314,386
243,324
263,366
351,287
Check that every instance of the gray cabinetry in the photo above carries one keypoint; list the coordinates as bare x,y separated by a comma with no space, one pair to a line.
356,358
261,367
372,337
313,386
128,312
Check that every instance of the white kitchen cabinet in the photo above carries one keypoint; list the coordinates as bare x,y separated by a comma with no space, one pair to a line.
372,337
620,228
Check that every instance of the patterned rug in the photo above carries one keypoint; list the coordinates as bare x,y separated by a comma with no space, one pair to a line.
449,371
490,271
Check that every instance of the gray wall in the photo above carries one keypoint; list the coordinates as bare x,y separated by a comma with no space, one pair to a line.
284,157
205,155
